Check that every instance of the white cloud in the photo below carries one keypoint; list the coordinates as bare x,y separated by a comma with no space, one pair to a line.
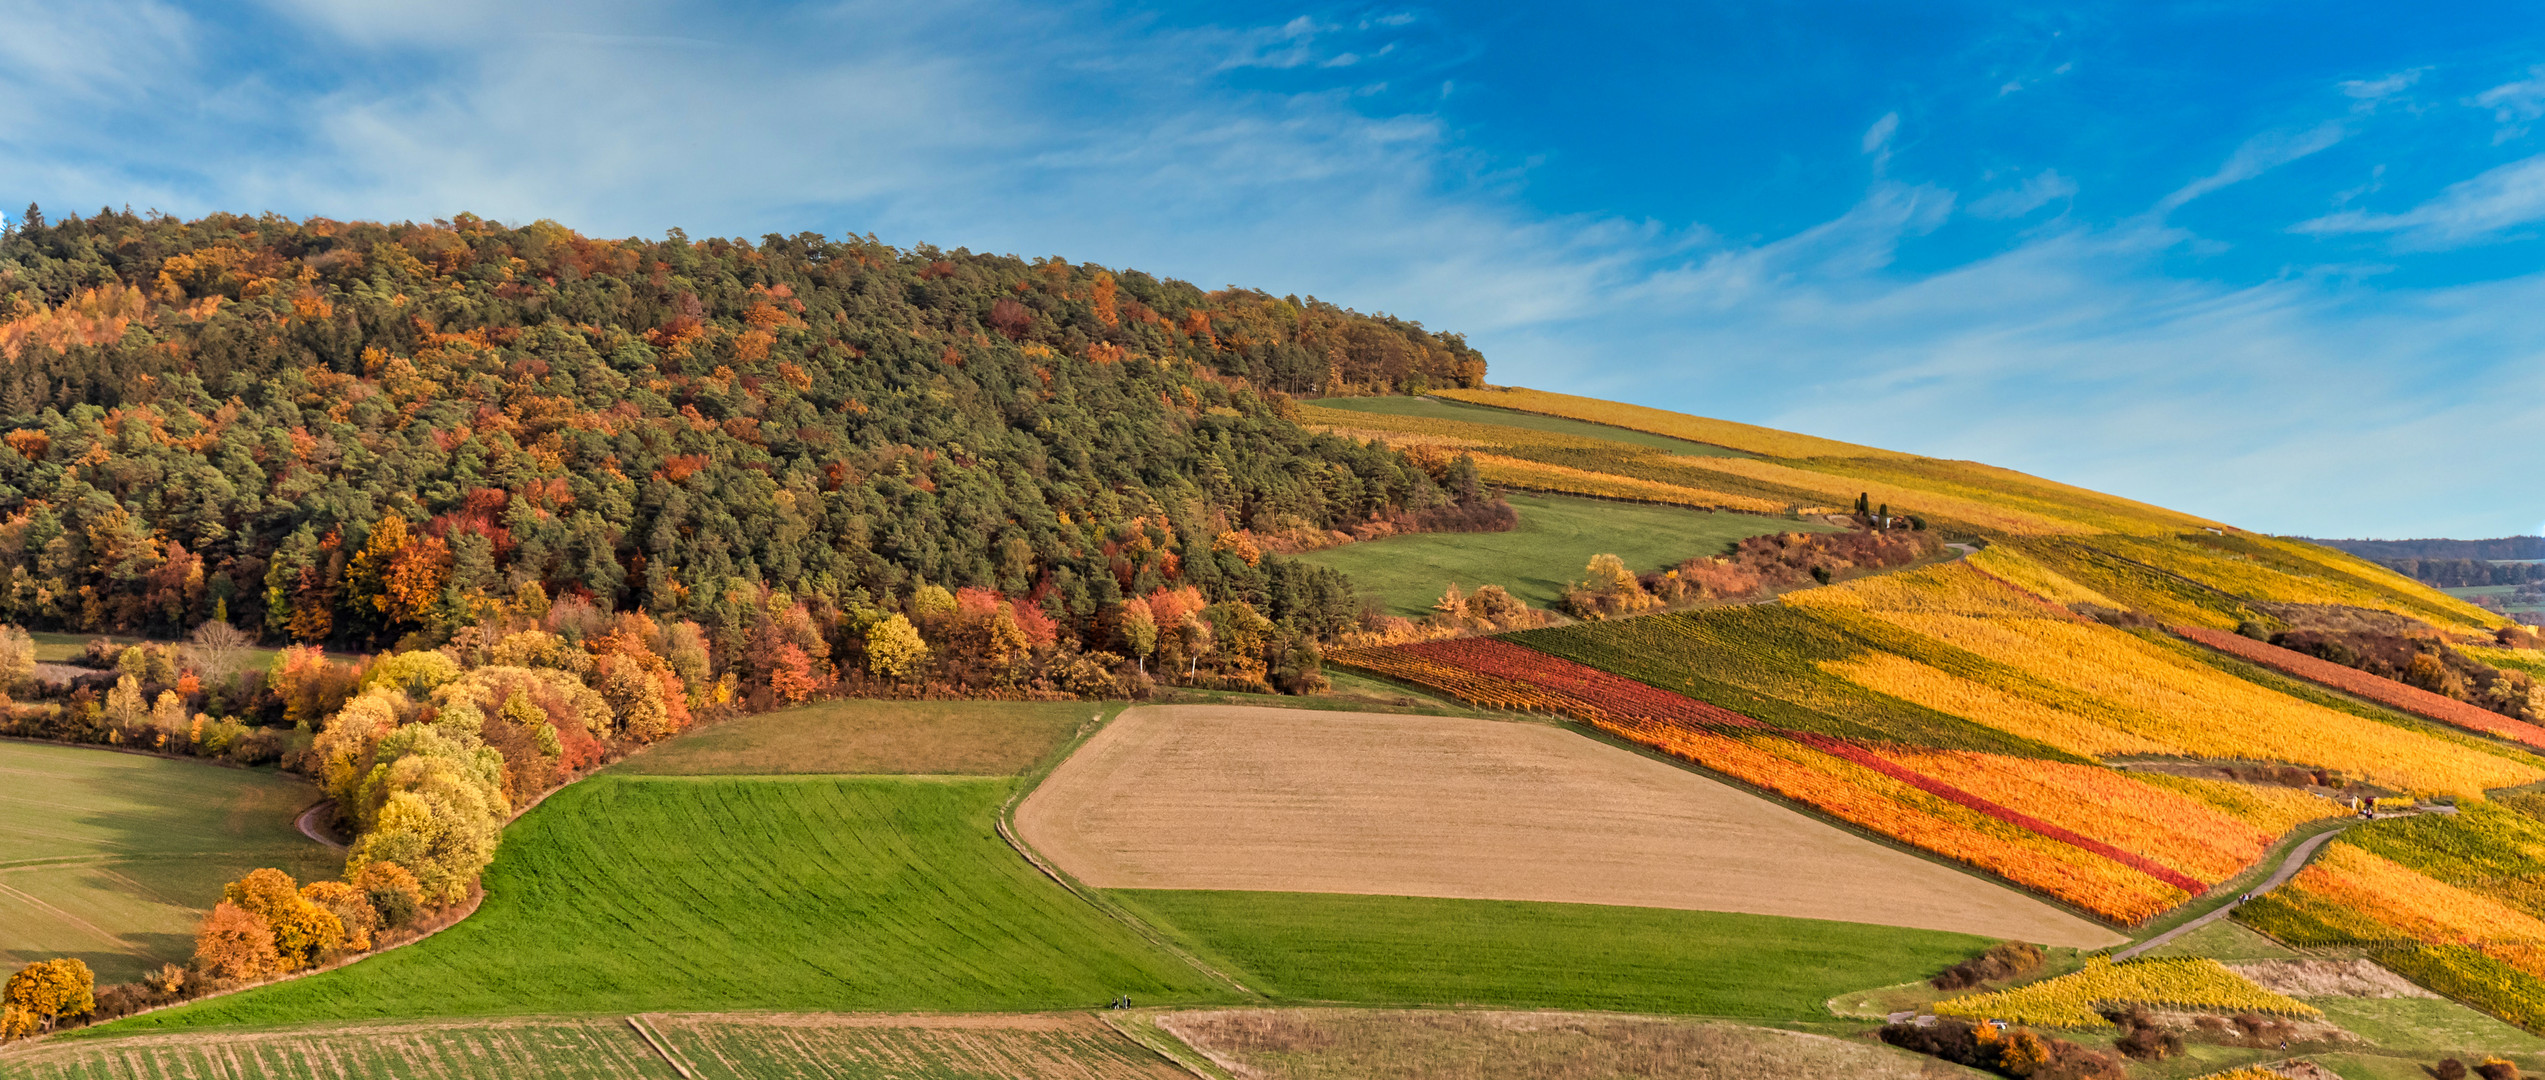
1879,135
2299,405
2034,193
2515,104
2259,154
2470,211
2376,89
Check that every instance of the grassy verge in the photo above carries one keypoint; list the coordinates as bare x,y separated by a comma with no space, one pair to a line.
628,894
1408,950
1556,536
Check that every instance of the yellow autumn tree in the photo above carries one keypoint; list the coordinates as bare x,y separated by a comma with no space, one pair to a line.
48,990
303,931
894,649
351,907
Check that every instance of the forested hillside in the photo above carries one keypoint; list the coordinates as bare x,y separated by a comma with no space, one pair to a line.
361,433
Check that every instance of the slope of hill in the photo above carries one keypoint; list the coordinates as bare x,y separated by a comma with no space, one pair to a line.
593,489
2026,711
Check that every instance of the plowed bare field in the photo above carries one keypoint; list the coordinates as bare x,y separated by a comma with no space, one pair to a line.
1262,799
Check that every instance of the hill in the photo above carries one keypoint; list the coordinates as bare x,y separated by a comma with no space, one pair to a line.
364,433
589,493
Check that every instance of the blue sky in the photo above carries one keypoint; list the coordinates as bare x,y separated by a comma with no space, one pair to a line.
2279,264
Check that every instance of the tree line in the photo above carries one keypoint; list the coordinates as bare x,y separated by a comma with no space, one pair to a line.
371,435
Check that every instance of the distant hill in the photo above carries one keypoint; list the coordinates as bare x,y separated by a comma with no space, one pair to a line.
2506,547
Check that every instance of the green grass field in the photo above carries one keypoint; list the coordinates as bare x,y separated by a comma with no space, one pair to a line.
114,857
1536,561
1404,950
626,894
1440,409
714,1047
966,738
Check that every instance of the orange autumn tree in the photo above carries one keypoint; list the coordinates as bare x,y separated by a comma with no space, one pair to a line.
234,944
399,574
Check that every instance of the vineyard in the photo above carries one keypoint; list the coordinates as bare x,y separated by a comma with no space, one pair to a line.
2452,902
2099,840
2350,680
1956,712
1557,461
2075,1000
1977,711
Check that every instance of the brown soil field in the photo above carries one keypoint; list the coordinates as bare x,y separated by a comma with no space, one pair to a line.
1356,1044
1250,798
956,738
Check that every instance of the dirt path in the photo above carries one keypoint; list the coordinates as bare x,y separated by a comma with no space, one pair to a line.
309,819
2289,868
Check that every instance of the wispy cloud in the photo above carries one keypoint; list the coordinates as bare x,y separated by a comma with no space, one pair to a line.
2303,403
2038,190
2259,154
2380,88
2472,211
2515,104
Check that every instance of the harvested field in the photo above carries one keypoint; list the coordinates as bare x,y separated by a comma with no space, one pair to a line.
547,1049
947,738
1240,798
714,1046
1049,1046
112,857
2328,978
1356,1044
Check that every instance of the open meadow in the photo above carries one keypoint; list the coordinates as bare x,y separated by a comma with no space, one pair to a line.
1227,797
112,857
628,894
1540,558
1402,950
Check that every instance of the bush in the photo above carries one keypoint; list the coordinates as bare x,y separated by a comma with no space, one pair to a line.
2003,961
2016,1053
2142,1038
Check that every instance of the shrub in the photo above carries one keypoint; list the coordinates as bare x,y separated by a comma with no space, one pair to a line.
2002,961
2017,1053
392,893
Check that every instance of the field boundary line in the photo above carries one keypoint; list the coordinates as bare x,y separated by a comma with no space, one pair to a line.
1815,813
661,1049
1007,812
1150,1043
